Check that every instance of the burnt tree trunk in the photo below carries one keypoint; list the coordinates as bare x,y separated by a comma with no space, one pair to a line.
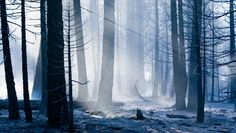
44,60
156,59
197,25
179,89
11,92
182,58
27,107
57,110
232,52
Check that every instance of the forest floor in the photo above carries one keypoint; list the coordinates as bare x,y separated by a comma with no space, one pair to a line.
159,117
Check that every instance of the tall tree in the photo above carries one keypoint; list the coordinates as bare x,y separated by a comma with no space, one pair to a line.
71,108
167,54
57,110
117,48
178,70
204,80
82,72
106,82
27,108
192,84
213,57
182,57
44,60
95,30
11,92
232,51
156,64
196,44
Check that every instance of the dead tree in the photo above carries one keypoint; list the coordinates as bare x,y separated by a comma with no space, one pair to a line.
27,108
12,98
57,110
106,82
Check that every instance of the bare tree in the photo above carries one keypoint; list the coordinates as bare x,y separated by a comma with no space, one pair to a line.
106,83
27,107
57,110
156,65
81,62
12,98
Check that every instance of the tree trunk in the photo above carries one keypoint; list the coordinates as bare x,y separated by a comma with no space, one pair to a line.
12,98
182,57
197,25
156,59
204,81
106,83
95,31
177,78
57,110
82,71
117,47
192,84
44,60
167,58
27,108
232,52
213,57
71,107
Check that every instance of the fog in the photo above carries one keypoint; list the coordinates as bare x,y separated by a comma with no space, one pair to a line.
120,90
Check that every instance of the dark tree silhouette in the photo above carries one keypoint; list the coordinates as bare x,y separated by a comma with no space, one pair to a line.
12,98
196,40
57,110
44,60
182,62
178,70
27,108
232,51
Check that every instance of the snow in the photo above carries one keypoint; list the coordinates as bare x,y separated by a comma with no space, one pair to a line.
219,117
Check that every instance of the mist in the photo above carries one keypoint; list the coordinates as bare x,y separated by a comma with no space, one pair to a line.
122,62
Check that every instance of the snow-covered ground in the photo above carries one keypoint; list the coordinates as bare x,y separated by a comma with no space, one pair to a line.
159,117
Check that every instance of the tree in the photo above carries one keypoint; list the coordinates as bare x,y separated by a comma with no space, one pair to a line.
71,108
27,108
178,70
82,74
95,31
182,57
196,44
192,86
118,47
232,51
106,82
44,60
57,110
12,98
156,64
213,57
